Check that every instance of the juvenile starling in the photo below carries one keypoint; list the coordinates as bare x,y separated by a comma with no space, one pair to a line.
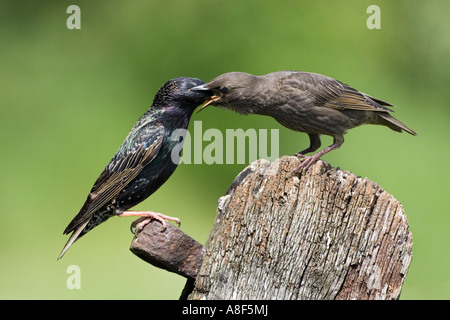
143,162
301,101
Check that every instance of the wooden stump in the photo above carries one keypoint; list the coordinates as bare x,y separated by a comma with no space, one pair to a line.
321,234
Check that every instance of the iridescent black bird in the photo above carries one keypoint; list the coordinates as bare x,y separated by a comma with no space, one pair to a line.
144,161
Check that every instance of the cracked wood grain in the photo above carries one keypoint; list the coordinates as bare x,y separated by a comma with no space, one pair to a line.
324,234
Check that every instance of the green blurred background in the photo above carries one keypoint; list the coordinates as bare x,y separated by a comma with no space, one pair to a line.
69,97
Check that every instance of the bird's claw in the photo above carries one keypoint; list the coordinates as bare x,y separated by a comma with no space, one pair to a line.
299,155
139,224
306,163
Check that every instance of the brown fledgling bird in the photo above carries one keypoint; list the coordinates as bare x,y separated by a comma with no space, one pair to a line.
301,101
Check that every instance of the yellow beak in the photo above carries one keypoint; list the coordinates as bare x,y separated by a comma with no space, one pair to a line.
208,102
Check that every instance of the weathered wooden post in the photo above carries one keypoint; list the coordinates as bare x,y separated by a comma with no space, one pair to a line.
321,234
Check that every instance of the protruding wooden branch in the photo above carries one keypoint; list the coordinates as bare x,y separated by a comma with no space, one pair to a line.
168,248
321,234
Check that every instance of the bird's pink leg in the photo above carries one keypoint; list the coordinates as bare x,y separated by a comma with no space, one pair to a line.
146,217
309,160
314,145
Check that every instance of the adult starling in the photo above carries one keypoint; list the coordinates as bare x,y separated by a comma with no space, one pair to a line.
144,161
301,101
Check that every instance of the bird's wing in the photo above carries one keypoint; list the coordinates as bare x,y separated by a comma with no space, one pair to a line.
139,148
331,93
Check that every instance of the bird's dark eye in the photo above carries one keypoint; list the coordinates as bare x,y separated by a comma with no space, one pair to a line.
223,90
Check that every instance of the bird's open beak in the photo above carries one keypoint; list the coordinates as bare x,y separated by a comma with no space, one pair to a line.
208,102
211,99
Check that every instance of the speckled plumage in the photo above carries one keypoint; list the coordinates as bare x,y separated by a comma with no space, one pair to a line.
144,160
302,101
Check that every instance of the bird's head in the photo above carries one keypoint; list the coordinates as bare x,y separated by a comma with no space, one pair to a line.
229,90
177,92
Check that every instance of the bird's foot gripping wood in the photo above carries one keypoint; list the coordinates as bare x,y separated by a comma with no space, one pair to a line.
146,217
299,155
307,162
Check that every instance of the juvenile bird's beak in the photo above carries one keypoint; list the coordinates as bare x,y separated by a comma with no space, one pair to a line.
208,102
204,87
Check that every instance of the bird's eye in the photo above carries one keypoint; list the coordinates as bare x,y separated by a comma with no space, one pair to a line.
224,90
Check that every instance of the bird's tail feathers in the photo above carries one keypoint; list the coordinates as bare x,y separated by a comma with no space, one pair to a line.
394,124
73,238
